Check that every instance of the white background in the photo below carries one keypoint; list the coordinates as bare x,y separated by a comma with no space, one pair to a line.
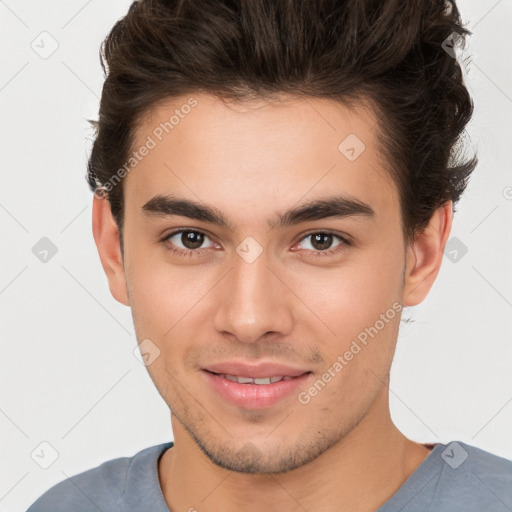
69,376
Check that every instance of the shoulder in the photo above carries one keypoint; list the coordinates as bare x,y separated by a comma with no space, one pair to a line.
486,460
97,488
456,476
474,479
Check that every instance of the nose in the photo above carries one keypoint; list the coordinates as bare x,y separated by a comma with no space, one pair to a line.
253,301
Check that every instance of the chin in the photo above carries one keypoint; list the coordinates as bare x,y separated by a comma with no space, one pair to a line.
252,459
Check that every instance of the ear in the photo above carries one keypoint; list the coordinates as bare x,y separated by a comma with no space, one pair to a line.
106,237
425,254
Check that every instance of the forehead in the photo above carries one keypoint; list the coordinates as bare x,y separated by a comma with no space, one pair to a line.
258,154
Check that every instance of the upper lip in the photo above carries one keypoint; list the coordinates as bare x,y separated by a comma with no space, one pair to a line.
255,371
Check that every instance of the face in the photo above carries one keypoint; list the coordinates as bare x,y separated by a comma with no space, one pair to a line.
250,282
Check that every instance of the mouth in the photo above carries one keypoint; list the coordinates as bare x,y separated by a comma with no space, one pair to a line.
256,380
255,393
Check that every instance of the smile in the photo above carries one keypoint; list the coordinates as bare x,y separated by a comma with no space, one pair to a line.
255,393
259,381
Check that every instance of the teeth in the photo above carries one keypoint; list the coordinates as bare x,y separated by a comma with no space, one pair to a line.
259,381
264,380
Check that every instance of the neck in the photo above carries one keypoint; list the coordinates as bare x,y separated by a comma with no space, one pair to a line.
358,474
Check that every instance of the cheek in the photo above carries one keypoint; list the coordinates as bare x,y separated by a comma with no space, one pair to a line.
161,295
353,295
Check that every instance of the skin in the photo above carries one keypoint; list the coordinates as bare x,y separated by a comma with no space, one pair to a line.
253,161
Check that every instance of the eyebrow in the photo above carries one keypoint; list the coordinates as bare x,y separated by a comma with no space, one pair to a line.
339,206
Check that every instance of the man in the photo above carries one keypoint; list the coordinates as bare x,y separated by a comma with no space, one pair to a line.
274,182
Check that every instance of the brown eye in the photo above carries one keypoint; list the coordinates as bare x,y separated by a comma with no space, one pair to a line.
321,241
188,241
192,239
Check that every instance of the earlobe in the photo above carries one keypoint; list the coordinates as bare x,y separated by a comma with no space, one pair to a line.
425,255
106,237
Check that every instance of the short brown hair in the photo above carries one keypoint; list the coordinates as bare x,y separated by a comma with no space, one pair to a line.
390,54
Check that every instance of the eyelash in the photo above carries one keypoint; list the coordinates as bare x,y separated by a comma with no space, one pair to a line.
199,252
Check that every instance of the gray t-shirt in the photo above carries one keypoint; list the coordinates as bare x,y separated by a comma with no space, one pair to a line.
454,477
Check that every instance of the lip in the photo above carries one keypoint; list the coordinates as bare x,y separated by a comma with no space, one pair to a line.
255,371
255,396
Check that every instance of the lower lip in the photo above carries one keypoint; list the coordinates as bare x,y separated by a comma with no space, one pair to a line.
255,396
